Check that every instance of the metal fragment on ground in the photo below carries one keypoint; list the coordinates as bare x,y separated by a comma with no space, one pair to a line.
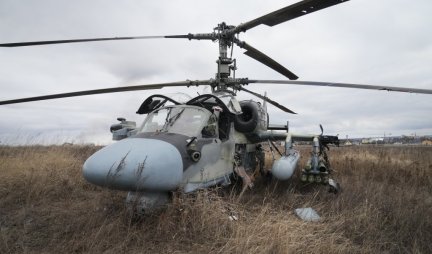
307,214
233,218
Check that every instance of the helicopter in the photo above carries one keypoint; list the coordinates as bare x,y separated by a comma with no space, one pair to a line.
204,141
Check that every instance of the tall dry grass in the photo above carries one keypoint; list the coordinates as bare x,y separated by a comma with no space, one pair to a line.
385,206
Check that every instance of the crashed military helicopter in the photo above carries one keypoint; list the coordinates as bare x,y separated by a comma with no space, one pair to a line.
204,141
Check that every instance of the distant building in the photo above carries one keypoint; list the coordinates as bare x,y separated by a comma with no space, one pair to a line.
372,141
365,141
427,142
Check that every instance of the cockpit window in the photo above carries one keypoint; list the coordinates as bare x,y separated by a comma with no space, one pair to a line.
210,129
188,121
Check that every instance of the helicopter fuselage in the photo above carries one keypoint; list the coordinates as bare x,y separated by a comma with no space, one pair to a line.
190,146
182,146
177,146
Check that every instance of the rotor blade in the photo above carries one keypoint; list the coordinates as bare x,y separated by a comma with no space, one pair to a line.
35,43
263,58
290,12
108,90
344,85
268,100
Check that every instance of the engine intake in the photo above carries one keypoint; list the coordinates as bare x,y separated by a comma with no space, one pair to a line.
253,117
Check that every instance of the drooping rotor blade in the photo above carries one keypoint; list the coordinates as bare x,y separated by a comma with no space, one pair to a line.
263,58
35,43
108,90
274,103
344,85
290,12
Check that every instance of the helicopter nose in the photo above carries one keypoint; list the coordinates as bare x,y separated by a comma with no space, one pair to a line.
136,164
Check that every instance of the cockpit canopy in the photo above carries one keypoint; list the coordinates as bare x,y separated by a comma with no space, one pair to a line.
193,118
180,119
225,100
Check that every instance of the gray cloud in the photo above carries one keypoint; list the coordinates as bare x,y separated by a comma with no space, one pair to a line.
383,42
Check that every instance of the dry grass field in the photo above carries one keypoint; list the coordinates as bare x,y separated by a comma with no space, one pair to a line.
385,207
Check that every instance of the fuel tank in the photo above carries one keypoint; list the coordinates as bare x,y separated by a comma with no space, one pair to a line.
284,167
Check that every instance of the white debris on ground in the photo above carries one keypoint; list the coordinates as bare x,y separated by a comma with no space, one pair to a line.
307,214
233,218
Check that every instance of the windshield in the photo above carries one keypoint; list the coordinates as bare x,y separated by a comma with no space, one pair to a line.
188,121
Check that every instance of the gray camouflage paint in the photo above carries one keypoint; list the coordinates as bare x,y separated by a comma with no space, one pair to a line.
136,164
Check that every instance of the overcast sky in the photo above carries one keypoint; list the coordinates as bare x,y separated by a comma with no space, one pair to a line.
386,42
